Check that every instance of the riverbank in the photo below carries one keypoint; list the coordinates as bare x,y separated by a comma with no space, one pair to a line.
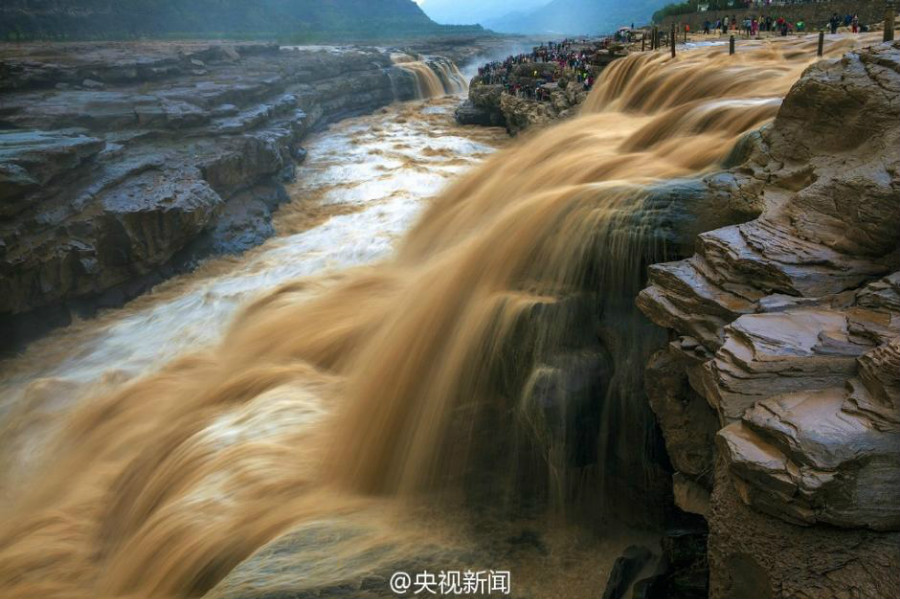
124,163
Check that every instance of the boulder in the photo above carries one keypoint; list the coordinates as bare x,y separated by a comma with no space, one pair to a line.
469,114
136,225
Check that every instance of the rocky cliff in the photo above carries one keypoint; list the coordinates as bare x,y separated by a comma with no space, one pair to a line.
121,164
779,393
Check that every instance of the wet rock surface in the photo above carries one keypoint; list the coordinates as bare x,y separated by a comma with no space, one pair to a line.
787,347
123,163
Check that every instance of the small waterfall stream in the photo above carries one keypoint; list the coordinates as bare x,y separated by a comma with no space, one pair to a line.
434,76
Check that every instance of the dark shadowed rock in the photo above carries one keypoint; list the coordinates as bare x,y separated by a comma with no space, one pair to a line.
688,423
469,114
625,570
682,571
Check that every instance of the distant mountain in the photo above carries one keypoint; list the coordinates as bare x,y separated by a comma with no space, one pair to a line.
578,17
475,11
284,19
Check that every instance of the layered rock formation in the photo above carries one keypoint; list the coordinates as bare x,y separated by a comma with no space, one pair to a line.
121,164
786,348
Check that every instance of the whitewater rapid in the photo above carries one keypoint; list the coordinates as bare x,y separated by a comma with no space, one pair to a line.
362,185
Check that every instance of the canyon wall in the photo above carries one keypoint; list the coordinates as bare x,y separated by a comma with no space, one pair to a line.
779,393
123,164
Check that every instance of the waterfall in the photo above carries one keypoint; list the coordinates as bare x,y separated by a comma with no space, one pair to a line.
452,79
434,76
494,363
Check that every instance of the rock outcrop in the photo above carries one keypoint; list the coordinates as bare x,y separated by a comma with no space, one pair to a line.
123,163
482,107
491,106
494,105
786,348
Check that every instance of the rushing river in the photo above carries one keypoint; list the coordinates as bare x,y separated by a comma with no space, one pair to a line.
472,398
363,184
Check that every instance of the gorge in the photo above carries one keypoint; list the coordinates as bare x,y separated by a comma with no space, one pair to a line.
214,131
674,316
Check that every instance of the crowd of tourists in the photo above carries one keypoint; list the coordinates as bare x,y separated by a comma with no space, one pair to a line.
526,75
849,20
753,26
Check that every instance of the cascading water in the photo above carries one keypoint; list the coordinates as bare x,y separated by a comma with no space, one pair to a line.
434,76
493,362
452,78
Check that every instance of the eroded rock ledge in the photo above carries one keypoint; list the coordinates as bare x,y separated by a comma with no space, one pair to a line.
786,349
121,164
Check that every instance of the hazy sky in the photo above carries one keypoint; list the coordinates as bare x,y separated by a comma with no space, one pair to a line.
474,11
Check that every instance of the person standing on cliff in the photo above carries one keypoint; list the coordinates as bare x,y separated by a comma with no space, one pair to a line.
854,24
834,22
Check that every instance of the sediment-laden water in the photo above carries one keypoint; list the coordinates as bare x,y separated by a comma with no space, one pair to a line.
441,378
